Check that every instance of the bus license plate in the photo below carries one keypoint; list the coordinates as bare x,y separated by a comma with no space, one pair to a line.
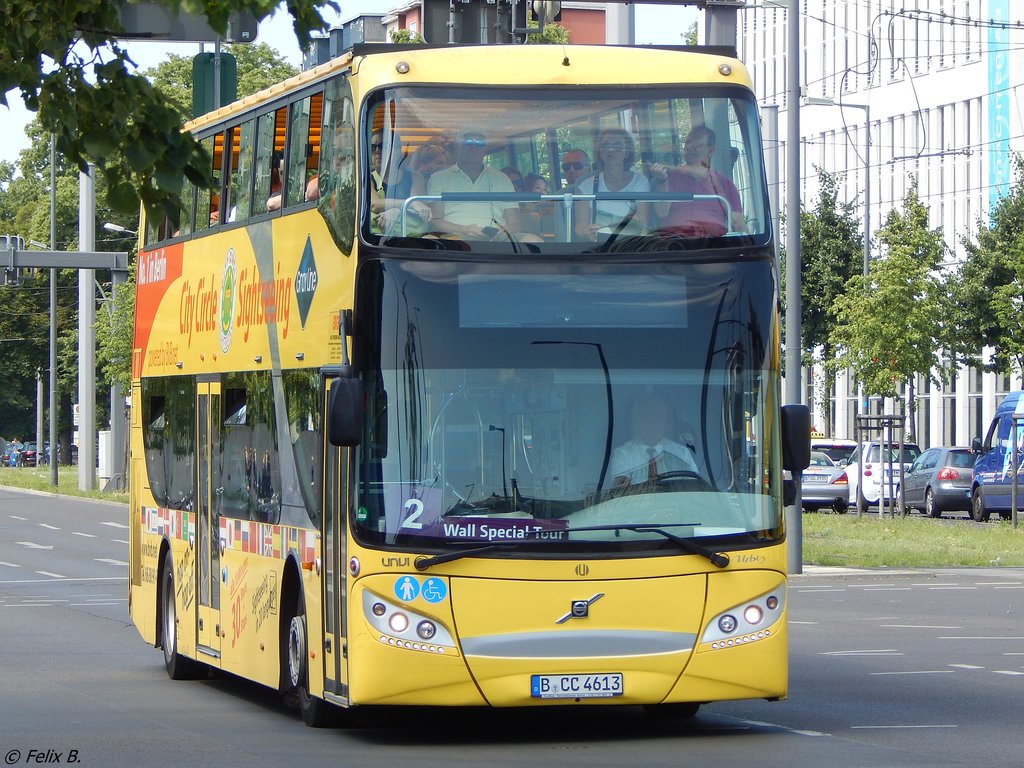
576,686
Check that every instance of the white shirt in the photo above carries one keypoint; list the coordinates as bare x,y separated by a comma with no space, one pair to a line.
631,459
617,210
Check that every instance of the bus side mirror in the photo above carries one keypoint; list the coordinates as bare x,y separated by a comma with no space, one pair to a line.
796,437
345,412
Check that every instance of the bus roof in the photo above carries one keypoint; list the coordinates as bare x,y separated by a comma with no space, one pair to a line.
580,65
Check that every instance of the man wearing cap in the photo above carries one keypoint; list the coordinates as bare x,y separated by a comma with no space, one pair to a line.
486,220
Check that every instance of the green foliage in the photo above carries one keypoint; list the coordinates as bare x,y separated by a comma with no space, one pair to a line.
987,296
553,34
402,36
890,329
66,62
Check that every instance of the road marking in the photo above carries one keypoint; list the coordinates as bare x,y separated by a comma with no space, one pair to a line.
1005,637
887,589
966,666
119,541
86,535
110,561
933,584
64,579
916,672
114,525
51,575
808,623
51,527
813,590
874,652
947,589
915,626
1006,672
897,727
16,517
999,583
1011,587
89,605
9,565
33,545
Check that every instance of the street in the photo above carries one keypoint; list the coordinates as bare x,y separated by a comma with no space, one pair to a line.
907,668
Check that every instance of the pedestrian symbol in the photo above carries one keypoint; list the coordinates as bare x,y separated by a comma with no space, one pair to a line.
434,590
406,588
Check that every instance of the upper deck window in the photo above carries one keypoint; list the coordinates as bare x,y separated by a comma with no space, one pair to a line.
562,170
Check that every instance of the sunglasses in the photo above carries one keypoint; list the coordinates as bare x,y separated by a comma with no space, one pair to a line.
474,143
374,146
577,166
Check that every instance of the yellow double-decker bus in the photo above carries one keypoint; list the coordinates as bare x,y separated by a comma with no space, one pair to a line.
464,388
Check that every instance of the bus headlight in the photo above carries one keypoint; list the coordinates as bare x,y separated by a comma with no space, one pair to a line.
747,622
398,622
400,627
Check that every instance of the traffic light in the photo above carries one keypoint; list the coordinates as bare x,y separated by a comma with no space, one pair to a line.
8,245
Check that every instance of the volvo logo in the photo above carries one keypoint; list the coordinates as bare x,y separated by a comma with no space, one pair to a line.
580,609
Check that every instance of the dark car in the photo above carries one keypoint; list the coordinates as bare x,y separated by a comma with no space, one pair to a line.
30,455
824,484
940,481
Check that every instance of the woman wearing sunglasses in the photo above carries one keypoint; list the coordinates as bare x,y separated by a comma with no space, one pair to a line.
616,158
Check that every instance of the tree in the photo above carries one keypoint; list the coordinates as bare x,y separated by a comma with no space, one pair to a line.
66,61
890,330
988,292
553,34
831,248
405,36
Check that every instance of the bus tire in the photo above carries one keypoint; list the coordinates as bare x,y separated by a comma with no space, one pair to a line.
316,713
178,667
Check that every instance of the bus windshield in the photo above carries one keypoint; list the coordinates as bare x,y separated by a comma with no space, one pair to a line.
551,405
549,170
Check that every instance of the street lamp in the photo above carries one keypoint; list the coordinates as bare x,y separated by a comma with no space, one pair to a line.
112,227
814,101
827,102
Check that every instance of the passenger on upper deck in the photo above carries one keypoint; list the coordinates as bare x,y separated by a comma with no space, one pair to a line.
699,218
616,153
485,220
576,167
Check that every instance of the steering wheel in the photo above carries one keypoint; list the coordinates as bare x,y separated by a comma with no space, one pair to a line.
675,475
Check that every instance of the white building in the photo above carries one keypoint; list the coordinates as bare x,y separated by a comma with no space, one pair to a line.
942,83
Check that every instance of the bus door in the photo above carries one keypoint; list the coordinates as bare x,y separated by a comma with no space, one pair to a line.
335,528
208,409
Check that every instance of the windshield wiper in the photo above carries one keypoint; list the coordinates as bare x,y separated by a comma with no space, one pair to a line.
687,545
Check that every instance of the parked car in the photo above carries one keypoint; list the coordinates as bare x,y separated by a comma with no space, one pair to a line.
940,481
992,486
881,470
30,457
11,456
837,449
824,484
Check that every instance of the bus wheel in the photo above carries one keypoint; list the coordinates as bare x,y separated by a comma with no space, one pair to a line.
680,710
978,511
316,713
178,667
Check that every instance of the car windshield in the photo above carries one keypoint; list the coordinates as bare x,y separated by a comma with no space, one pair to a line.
553,405
820,459
556,170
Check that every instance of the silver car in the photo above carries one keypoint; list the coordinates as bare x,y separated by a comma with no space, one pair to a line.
824,484
940,481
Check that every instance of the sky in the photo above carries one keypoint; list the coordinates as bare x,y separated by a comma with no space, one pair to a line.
655,24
